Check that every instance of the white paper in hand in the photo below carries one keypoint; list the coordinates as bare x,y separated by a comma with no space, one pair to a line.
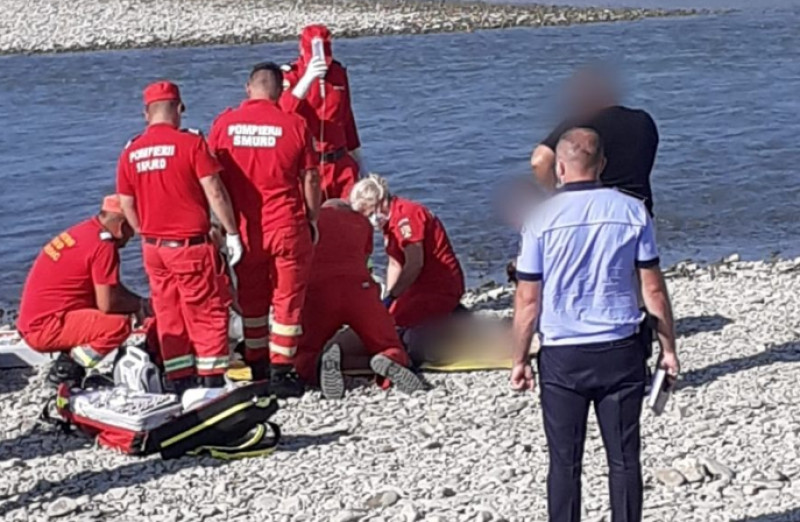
659,392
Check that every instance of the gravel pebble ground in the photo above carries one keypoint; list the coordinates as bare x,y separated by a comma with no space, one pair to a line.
725,450
28,26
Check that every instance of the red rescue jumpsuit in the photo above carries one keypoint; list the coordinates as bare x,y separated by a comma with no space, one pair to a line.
341,292
439,287
162,169
59,312
264,152
329,117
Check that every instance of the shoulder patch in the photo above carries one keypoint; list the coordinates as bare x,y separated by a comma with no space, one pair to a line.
197,132
130,141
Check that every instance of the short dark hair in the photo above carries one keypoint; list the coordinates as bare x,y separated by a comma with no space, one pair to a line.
270,67
582,144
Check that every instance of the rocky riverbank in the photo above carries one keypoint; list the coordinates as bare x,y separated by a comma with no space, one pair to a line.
32,26
726,450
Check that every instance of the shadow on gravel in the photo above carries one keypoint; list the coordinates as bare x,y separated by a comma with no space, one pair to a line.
686,326
15,380
37,443
788,352
291,443
786,516
98,482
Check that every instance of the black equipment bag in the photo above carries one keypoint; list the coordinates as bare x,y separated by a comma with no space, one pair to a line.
217,423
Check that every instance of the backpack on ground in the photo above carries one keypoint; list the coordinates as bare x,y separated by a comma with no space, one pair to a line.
234,425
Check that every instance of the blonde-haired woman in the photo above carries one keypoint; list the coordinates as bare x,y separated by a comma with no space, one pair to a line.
424,280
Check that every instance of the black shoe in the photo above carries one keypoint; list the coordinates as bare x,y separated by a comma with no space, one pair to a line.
65,370
212,381
181,385
401,377
284,383
259,370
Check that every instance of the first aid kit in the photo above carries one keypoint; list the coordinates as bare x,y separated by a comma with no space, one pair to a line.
232,425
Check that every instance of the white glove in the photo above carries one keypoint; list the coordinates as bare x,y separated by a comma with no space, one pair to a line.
316,69
233,244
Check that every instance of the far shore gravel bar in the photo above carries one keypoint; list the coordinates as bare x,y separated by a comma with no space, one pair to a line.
42,26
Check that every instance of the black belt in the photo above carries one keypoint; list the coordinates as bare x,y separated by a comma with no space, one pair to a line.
331,157
177,243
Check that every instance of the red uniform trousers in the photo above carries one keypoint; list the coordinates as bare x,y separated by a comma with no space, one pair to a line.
417,307
338,177
274,273
89,334
341,301
190,297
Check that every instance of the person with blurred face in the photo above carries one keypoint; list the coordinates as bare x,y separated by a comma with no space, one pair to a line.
322,85
629,135
424,279
73,301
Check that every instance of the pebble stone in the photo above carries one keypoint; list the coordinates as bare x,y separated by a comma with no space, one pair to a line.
29,26
734,415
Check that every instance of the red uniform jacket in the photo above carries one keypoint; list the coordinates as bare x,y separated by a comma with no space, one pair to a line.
161,169
264,152
410,222
63,277
330,119
345,244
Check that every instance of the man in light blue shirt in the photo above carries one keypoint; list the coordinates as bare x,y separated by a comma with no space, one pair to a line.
586,254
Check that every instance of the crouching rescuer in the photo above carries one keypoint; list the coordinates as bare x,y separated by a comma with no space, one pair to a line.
73,301
341,292
167,179
270,170
424,280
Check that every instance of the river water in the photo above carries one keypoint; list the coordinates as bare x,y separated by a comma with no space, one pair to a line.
446,118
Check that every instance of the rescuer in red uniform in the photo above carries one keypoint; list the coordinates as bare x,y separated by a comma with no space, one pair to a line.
73,301
424,279
341,293
327,110
167,179
270,170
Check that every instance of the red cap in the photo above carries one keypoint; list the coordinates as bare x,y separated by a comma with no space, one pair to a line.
310,32
162,91
111,204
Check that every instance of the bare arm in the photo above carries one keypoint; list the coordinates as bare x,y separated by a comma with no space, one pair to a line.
526,314
312,193
117,299
409,272
128,204
393,272
656,300
220,202
543,162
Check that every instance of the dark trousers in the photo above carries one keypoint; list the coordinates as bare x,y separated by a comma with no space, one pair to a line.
612,377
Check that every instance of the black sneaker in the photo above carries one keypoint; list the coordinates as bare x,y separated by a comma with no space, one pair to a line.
65,370
331,380
284,382
401,377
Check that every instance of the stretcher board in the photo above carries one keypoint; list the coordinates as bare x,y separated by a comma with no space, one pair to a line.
15,354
